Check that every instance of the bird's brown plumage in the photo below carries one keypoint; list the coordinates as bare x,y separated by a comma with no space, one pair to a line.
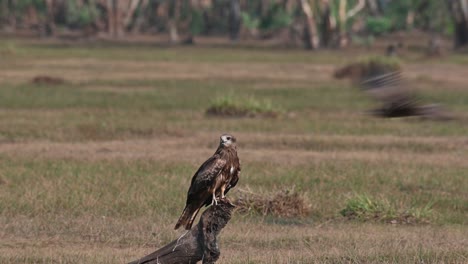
214,178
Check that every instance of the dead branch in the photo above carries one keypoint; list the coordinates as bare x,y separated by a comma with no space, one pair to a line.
199,243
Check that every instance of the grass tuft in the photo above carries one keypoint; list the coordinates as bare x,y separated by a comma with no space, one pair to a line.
230,106
284,203
366,208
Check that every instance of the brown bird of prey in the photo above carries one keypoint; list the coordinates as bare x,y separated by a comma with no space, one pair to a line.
212,181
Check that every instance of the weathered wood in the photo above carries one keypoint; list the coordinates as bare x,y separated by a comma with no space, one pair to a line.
199,243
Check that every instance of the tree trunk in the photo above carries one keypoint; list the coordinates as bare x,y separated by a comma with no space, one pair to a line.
311,39
110,18
50,23
200,243
288,5
374,7
173,18
358,7
461,34
114,18
119,26
12,15
343,38
234,20
459,10
4,9
327,29
139,17
130,13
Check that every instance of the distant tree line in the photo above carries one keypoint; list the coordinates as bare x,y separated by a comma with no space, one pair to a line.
311,23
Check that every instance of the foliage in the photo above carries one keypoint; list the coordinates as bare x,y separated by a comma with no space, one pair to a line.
276,17
197,24
22,5
249,21
81,16
265,16
378,25
397,12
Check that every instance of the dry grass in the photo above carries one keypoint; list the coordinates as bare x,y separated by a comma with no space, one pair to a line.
96,170
259,243
285,203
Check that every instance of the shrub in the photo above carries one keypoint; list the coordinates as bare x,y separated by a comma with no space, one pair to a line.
378,25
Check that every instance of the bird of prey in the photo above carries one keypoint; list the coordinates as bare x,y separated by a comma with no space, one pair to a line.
212,181
385,84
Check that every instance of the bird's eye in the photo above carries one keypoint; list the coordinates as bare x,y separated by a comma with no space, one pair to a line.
228,138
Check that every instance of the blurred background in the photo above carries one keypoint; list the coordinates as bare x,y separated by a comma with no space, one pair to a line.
294,23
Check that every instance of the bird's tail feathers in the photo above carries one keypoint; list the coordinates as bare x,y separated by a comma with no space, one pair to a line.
187,217
190,222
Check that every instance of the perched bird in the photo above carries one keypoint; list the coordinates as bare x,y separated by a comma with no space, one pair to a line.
212,181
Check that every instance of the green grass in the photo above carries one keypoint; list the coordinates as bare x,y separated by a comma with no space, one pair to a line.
229,105
80,112
136,188
145,52
365,208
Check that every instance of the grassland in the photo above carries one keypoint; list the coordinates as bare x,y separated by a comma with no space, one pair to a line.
96,170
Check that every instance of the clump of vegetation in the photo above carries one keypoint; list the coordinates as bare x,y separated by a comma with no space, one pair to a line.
285,203
237,107
273,19
47,80
368,67
378,25
367,208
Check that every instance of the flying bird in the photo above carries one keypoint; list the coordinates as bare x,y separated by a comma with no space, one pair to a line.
212,181
385,84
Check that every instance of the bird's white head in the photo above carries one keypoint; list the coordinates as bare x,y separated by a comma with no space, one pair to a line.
227,140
